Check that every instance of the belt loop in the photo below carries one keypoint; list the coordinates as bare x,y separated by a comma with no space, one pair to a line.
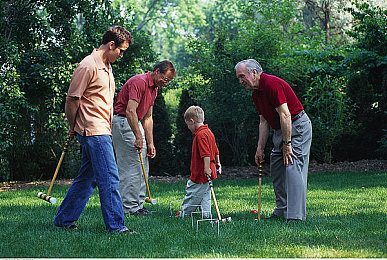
299,115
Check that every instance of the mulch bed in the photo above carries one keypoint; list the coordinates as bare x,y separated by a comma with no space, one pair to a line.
239,172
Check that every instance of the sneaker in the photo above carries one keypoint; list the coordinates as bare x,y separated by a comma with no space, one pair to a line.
139,212
292,220
127,231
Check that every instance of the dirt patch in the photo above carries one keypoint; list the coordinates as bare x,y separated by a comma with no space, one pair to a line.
239,172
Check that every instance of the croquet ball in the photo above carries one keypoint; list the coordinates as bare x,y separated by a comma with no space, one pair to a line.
254,211
178,213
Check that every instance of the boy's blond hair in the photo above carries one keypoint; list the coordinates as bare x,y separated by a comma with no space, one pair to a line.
194,112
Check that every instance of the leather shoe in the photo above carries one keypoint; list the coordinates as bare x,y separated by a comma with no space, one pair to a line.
147,212
273,217
292,220
139,212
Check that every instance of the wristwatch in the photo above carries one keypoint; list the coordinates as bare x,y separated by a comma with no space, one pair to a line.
287,142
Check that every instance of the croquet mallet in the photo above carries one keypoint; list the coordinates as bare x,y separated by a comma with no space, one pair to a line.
47,196
216,204
259,191
147,199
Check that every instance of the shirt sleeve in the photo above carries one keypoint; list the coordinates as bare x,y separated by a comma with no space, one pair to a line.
276,94
136,90
80,80
204,147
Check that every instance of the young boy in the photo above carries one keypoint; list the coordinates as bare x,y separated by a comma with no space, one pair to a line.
204,162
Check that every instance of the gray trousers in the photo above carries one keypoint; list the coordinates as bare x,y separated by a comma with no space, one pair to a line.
197,194
132,185
290,183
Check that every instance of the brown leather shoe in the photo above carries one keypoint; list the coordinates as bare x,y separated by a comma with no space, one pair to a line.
273,217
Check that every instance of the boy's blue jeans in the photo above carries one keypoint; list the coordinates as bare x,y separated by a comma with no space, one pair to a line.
98,169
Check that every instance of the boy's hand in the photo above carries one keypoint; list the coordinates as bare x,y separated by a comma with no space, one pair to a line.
207,172
218,168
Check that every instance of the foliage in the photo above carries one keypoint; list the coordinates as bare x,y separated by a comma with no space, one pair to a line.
235,122
162,163
370,28
330,111
169,22
345,219
366,66
43,41
183,138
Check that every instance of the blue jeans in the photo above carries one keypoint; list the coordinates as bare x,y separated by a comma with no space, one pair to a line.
98,169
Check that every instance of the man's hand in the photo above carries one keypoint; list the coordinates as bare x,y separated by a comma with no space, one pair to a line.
288,154
259,156
151,151
71,133
138,144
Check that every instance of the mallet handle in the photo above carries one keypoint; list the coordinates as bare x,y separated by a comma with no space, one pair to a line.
143,171
59,164
259,192
213,196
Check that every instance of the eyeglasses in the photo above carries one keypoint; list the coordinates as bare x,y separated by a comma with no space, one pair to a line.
165,79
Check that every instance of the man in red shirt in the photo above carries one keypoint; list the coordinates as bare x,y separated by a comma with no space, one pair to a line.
132,129
204,163
280,109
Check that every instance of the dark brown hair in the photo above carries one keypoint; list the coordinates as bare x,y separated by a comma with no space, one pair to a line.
165,66
118,34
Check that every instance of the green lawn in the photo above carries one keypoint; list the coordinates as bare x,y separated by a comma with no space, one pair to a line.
346,217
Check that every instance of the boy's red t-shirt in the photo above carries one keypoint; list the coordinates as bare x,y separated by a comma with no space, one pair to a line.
203,145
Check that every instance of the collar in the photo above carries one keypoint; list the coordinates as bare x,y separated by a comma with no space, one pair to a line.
98,60
150,80
261,82
202,127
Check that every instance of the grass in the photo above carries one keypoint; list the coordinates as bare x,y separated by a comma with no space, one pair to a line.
346,217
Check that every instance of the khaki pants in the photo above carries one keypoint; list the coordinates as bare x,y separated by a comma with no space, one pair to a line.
132,185
197,194
290,183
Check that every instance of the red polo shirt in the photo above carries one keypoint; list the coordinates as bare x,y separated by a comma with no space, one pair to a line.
271,93
139,88
203,145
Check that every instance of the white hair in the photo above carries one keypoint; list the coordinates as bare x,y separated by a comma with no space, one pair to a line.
251,65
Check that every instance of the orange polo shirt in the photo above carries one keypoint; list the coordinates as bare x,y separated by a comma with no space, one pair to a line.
93,83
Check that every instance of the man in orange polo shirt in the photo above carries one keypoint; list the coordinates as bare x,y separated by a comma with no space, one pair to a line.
89,111
133,132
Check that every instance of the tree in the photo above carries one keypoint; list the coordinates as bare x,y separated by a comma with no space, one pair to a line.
366,66
327,12
163,163
44,40
169,22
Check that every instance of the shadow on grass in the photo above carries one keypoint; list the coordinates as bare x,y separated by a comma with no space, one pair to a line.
335,226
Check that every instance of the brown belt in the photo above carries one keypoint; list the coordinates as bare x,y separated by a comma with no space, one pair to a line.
299,115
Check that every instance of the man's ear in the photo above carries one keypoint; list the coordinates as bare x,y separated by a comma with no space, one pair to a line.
112,45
